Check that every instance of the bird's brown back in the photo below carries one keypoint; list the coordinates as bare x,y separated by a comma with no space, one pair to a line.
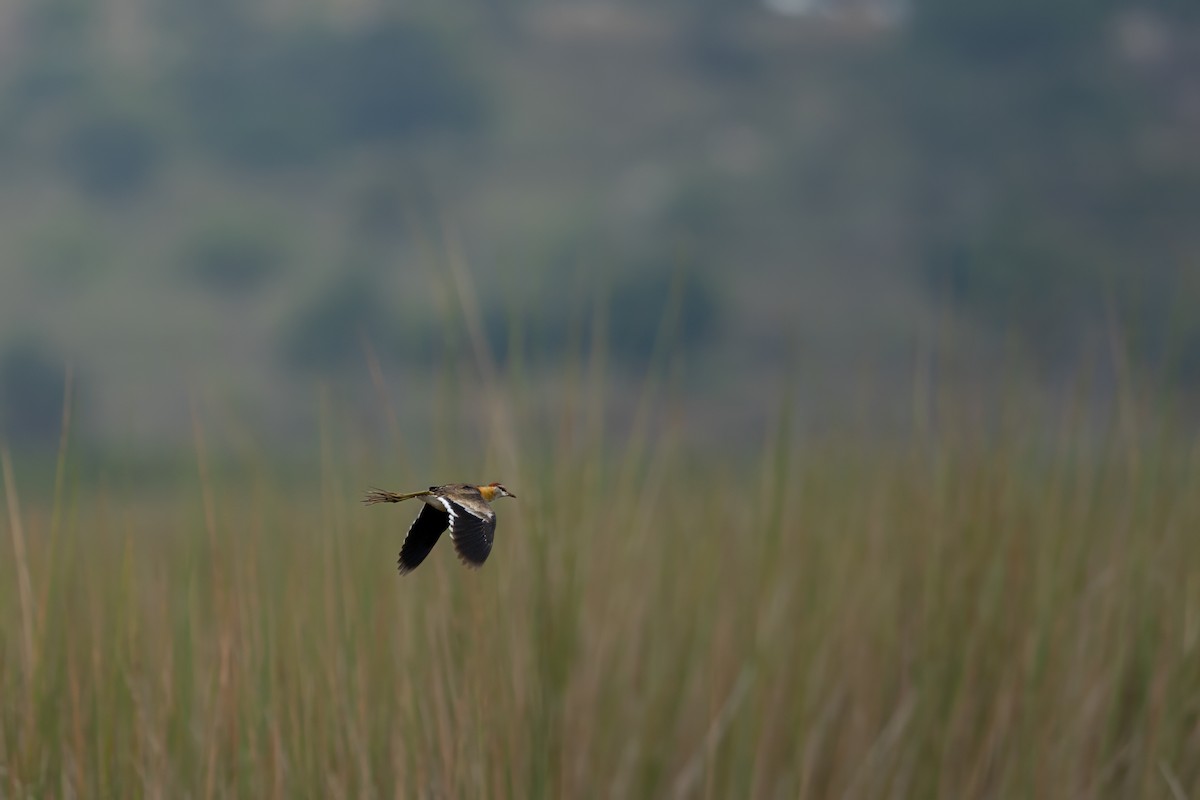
465,491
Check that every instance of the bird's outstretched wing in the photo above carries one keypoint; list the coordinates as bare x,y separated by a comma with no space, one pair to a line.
421,537
473,529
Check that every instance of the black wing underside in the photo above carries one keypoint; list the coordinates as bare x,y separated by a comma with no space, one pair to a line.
473,535
422,536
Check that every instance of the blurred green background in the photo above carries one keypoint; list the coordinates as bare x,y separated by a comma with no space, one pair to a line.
236,200
845,357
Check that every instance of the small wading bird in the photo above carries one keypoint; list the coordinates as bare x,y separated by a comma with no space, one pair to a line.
462,507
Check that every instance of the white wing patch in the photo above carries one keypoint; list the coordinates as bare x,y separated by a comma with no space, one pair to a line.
449,510
485,514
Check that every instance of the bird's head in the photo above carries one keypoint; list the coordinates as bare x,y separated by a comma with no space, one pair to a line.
493,491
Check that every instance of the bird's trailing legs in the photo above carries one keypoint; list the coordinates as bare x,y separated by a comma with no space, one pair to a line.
380,496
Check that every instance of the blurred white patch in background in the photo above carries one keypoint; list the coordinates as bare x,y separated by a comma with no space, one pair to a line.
871,12
794,8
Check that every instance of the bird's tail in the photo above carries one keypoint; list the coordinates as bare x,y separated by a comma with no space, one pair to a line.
381,496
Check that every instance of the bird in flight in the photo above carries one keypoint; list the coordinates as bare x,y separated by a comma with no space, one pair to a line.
462,507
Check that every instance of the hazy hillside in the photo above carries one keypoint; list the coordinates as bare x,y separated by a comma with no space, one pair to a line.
225,201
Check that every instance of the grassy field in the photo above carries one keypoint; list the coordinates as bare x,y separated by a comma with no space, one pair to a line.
963,616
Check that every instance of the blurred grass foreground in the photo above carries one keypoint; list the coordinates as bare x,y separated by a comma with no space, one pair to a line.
964,615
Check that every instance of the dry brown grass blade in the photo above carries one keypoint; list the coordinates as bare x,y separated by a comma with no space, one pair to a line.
16,530
502,425
688,777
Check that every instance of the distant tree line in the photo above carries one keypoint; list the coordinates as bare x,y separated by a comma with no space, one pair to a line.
250,95
1049,213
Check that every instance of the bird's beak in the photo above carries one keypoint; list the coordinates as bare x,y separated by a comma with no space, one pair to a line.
513,496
